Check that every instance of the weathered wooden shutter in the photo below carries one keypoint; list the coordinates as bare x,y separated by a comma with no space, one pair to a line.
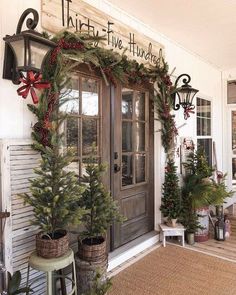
18,161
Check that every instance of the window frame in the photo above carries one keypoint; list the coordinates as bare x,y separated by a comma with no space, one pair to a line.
80,117
210,137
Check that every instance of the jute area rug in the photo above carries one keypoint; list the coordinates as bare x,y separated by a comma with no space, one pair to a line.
176,271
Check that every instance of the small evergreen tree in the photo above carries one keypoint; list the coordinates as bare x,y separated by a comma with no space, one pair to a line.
171,197
197,164
101,210
55,192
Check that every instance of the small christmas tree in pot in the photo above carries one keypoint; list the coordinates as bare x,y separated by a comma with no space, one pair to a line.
200,191
101,212
55,194
171,200
55,191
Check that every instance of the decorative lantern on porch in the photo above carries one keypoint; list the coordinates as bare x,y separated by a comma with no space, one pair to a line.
220,229
185,95
25,51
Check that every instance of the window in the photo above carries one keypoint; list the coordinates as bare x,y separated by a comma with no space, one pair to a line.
231,89
233,146
204,132
82,126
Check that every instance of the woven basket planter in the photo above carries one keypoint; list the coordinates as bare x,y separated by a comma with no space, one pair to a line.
92,250
52,248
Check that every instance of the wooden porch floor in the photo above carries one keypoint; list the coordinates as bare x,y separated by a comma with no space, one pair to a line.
224,249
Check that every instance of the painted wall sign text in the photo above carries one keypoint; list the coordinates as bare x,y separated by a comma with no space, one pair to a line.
78,16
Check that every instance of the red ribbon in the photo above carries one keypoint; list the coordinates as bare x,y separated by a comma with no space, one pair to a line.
33,80
187,112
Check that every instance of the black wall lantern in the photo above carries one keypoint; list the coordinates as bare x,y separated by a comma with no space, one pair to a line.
183,95
26,50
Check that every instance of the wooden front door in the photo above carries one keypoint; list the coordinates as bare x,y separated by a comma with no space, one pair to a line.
132,162
120,124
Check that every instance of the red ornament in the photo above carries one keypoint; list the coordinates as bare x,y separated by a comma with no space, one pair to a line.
62,44
31,81
51,101
43,133
108,72
166,80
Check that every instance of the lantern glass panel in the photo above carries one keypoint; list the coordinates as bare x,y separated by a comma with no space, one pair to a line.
18,47
192,94
38,53
182,94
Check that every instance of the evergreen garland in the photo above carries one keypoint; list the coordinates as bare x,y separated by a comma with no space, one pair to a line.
163,107
73,49
76,48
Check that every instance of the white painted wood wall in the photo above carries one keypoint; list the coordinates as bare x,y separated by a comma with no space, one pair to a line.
18,160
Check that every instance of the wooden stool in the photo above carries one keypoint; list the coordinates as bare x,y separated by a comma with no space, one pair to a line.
51,265
168,231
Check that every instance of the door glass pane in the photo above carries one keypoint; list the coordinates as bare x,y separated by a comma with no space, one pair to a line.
140,168
127,136
89,135
140,106
140,137
72,142
71,98
127,170
72,138
127,103
89,97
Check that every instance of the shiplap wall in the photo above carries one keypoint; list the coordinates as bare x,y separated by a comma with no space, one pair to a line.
18,160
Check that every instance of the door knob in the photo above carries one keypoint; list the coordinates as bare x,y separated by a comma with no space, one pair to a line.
116,168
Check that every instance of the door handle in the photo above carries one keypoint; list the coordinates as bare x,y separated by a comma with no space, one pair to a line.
116,168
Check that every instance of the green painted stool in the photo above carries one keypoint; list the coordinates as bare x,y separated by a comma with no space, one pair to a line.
51,265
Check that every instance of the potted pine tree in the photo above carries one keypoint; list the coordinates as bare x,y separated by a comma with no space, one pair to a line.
200,191
55,191
55,195
101,212
171,197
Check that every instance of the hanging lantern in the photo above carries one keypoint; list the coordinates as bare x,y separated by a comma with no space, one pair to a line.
220,229
25,51
183,96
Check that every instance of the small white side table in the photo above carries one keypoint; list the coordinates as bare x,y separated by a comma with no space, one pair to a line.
168,231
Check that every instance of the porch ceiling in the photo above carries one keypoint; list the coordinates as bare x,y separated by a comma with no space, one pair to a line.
204,27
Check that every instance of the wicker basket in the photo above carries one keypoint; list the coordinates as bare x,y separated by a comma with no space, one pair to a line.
47,248
94,252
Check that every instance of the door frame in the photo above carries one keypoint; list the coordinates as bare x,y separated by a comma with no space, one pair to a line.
148,87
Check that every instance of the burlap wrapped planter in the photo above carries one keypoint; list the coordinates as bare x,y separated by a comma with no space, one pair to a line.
92,250
52,248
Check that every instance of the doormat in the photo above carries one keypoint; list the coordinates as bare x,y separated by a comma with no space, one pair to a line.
176,271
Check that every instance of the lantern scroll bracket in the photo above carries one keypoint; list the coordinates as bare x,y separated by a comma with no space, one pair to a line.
30,23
